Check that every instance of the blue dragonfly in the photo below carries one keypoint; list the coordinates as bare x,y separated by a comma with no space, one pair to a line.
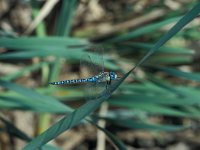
99,80
101,77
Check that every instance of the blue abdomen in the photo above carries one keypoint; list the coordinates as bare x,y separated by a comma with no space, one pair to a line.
74,81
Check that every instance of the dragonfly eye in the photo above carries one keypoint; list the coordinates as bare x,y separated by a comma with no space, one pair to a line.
113,76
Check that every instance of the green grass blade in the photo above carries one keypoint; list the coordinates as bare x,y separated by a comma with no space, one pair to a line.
178,73
70,54
174,59
40,29
125,100
14,131
146,88
172,50
37,100
142,30
10,102
65,18
155,109
188,17
146,126
11,129
162,84
35,43
118,143
24,71
43,53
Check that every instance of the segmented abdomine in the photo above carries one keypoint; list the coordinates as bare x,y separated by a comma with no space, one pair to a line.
101,77
93,79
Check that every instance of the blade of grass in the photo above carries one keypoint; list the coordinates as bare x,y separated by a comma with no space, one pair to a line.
9,102
146,88
24,71
40,29
37,100
70,54
163,84
11,129
155,109
44,119
142,30
14,131
188,17
146,126
34,43
65,17
171,60
173,50
118,143
44,53
152,99
178,73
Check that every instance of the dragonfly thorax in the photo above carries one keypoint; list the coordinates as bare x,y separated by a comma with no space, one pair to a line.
107,76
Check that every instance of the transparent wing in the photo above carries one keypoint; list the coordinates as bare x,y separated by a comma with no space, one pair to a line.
86,66
91,65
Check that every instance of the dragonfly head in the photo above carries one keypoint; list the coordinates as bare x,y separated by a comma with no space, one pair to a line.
113,75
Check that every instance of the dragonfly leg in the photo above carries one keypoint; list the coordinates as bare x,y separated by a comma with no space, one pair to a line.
107,83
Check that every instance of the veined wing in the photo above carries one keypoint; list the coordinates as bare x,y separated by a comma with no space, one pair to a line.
92,64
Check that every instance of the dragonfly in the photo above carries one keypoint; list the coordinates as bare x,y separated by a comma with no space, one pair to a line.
101,77
99,80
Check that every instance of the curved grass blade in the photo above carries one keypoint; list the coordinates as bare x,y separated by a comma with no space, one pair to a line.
11,129
43,53
30,43
75,117
146,87
162,84
8,102
172,50
14,131
154,109
37,100
146,125
71,54
24,71
128,100
142,30
156,103
173,59
120,145
64,21
188,17
178,73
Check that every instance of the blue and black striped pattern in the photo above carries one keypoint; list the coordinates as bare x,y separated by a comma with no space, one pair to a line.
74,81
101,77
